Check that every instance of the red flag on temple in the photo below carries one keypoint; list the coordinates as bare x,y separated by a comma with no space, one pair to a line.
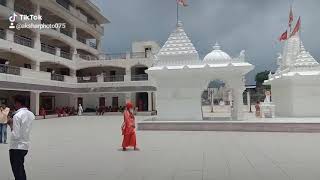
182,2
296,28
284,36
290,17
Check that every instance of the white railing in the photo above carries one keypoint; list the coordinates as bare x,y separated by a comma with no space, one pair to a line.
139,77
114,78
6,69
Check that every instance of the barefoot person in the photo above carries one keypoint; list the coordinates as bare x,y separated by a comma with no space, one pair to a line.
4,111
128,128
20,126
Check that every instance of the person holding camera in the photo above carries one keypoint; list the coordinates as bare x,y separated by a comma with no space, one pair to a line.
20,126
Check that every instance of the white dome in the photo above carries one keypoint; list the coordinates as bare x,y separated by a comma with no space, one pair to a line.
217,55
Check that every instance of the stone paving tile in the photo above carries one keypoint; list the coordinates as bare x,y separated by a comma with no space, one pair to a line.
87,148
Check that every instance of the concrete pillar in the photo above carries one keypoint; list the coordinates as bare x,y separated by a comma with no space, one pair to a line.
73,101
248,99
73,72
154,101
9,35
98,44
127,77
36,41
36,66
35,102
74,32
238,88
58,51
128,97
74,53
10,4
150,102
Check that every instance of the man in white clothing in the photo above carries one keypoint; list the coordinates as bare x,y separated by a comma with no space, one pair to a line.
20,137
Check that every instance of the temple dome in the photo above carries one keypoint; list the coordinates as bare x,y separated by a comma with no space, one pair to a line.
217,55
178,49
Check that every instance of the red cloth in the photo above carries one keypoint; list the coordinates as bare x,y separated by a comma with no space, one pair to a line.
128,130
296,28
284,36
290,17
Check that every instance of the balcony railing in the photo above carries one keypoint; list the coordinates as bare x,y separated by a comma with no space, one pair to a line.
114,78
57,77
115,56
22,40
87,57
87,79
6,69
80,39
93,45
139,77
66,32
2,34
48,49
65,55
136,55
3,2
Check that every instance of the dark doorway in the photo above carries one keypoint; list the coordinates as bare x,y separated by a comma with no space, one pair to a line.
115,102
142,101
102,101
80,101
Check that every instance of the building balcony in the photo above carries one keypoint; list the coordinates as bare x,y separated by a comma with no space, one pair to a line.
2,34
80,39
93,45
23,40
87,57
6,69
87,79
65,54
66,32
48,49
114,78
139,77
57,77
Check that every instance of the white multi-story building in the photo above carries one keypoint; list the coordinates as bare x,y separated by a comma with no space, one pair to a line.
66,66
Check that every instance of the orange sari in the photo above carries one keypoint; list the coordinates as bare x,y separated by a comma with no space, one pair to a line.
128,130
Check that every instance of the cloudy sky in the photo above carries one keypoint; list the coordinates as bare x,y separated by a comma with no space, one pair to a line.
252,25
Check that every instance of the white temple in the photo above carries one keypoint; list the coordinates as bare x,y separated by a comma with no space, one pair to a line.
181,77
295,86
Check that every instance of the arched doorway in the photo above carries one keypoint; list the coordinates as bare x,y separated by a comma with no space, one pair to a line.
216,101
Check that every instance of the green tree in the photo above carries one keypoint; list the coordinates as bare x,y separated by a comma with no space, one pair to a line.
261,77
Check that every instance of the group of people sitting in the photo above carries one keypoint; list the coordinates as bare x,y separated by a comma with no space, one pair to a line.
102,109
66,111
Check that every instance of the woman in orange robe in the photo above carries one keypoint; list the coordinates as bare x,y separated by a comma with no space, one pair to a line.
128,128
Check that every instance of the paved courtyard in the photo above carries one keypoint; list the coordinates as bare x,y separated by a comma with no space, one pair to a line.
87,148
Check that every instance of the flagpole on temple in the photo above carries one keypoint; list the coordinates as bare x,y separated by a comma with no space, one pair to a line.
177,12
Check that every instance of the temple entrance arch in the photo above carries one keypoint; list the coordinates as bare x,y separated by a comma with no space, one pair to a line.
216,100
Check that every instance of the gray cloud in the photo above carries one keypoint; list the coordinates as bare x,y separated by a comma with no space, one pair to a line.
253,25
